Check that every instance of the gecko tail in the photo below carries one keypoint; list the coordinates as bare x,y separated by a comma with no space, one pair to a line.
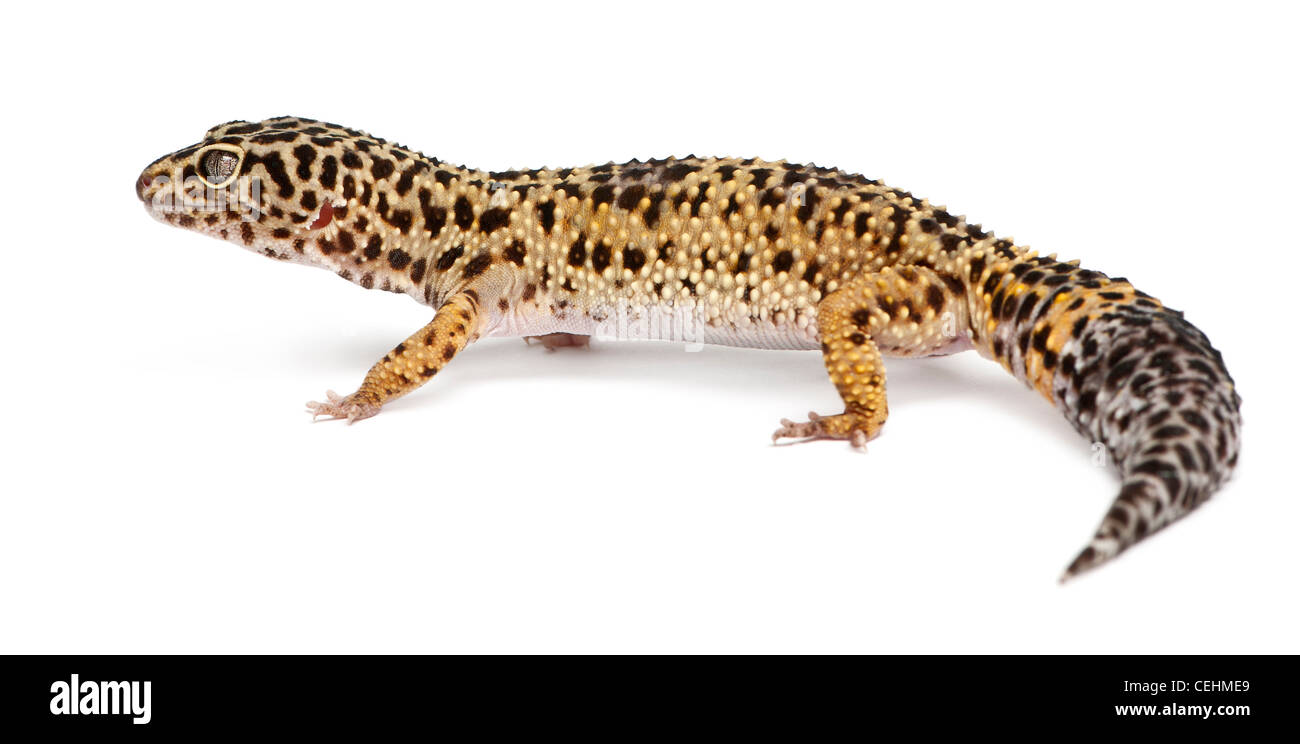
1129,374
1156,394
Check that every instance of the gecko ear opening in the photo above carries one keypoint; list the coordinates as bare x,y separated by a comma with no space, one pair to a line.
326,216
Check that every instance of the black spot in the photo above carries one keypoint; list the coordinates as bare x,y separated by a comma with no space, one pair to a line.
382,168
400,219
996,306
603,194
306,155
514,253
347,243
947,220
680,171
405,182
701,195
860,224
631,196
782,261
810,272
899,219
477,265
600,256
1040,338
464,213
1119,372
398,259
651,215
1079,325
277,137
329,171
1027,305
546,213
435,218
934,297
1087,402
494,219
633,258
578,252
446,260
1196,420
810,200
861,317
742,262
417,270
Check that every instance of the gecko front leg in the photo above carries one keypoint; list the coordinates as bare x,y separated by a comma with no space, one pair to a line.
411,363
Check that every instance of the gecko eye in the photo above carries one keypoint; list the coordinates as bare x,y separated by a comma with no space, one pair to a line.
219,164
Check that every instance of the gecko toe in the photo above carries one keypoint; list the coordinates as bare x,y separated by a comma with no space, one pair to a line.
850,426
337,407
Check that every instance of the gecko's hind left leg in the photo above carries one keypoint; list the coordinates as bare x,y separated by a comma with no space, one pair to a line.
907,311
553,341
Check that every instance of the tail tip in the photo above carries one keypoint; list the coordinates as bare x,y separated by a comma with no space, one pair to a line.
1089,558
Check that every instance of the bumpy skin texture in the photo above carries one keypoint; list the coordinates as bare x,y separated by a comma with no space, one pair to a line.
722,250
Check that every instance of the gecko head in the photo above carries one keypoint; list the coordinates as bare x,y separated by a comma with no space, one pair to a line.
281,187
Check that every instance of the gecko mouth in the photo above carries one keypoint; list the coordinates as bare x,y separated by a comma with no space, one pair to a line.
323,217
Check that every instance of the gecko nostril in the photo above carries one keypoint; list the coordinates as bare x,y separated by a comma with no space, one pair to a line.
141,185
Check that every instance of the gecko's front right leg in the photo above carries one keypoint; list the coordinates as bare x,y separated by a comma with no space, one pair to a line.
411,363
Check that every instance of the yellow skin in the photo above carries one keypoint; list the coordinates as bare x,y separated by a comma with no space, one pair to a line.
716,250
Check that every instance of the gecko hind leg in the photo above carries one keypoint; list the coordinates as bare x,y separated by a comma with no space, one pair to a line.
907,311
553,341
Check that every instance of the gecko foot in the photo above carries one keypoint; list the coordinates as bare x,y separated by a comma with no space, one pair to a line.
338,407
553,341
851,426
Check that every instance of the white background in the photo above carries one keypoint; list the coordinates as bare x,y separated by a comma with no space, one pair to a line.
164,491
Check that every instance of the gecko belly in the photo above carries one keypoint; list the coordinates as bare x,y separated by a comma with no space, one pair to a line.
684,322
